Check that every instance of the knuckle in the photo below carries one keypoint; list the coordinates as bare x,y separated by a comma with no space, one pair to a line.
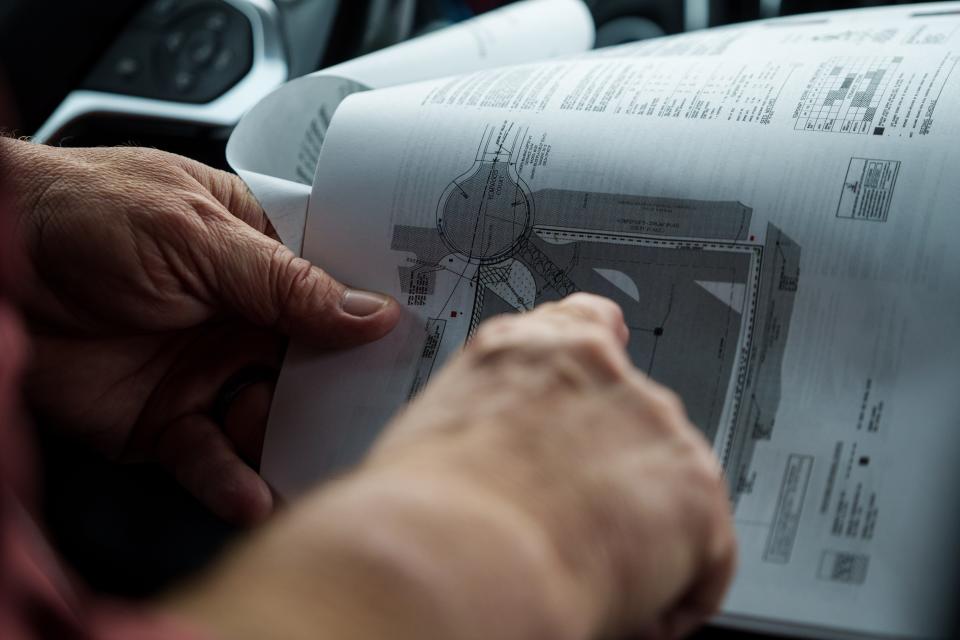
672,403
594,308
668,406
295,281
206,211
594,345
721,526
581,298
492,334
584,306
728,538
152,162
546,308
703,474
608,307
704,480
703,496
234,194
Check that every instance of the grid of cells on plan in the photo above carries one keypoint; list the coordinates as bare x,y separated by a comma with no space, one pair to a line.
844,95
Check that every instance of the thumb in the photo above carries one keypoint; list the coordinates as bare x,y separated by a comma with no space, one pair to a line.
262,280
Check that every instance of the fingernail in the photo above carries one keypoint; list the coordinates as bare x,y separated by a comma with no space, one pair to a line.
363,303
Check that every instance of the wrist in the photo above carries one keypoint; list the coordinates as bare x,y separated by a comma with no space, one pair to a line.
381,556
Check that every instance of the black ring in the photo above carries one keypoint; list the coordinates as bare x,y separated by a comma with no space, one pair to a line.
235,385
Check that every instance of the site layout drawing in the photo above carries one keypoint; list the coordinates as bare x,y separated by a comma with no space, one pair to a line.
779,230
697,291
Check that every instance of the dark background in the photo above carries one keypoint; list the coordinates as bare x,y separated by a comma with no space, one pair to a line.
47,47
131,531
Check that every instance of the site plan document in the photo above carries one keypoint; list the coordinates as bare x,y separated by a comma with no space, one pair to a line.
275,147
776,208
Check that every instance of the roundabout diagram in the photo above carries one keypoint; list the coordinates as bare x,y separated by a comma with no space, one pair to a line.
486,213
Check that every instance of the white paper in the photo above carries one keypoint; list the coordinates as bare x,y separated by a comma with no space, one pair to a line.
275,146
778,228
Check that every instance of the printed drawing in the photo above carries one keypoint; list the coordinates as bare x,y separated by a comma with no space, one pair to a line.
708,307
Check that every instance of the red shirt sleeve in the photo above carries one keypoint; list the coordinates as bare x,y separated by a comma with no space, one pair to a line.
37,597
38,600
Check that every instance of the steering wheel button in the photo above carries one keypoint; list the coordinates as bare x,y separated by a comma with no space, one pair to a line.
127,67
216,21
183,81
173,41
202,54
195,53
200,48
223,60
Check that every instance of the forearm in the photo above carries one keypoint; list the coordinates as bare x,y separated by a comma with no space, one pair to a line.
380,559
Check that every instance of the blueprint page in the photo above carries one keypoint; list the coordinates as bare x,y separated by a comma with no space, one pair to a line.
275,147
780,231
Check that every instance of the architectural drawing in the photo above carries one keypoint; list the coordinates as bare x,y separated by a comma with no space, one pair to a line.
707,305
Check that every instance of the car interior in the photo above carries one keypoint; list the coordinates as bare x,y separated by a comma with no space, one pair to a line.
178,75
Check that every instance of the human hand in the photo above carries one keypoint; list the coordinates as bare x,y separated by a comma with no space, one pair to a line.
540,487
151,281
